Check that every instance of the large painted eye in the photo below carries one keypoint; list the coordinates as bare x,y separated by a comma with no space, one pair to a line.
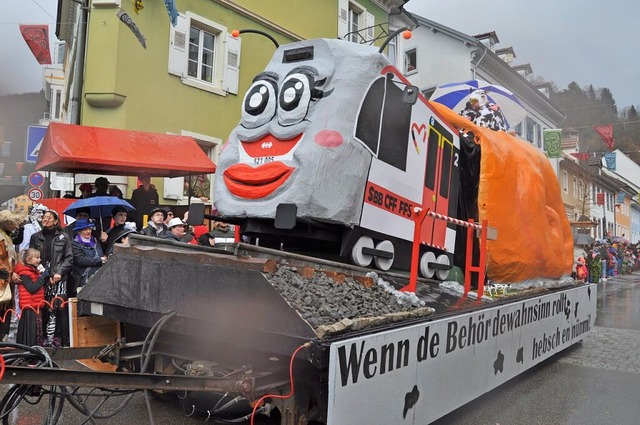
295,95
259,105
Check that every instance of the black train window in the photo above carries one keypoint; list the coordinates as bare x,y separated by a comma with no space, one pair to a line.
384,121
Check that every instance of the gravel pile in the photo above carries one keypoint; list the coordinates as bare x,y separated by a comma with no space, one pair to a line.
332,308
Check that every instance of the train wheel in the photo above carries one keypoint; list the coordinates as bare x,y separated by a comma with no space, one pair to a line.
425,271
442,274
384,263
358,258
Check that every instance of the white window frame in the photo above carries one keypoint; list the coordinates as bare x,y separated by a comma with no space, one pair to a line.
226,52
354,17
214,145
405,65
565,182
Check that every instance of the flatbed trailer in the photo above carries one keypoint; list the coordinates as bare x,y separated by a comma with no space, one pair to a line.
228,326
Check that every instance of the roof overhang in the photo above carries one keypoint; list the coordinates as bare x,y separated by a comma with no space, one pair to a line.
95,150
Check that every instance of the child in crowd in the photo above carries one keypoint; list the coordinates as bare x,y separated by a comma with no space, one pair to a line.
31,299
581,270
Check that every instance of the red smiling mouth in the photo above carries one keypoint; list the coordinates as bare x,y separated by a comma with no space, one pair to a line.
254,183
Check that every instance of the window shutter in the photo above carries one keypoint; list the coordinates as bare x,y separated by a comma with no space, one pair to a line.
232,64
178,46
369,23
343,18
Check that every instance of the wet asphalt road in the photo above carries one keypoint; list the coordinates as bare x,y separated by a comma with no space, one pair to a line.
594,382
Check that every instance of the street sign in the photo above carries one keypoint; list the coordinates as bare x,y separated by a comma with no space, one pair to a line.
35,134
35,194
36,179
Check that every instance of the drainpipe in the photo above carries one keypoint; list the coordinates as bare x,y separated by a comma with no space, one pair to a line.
478,63
78,72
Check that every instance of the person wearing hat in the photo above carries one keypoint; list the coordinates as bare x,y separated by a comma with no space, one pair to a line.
176,230
86,190
102,187
108,238
144,199
88,256
155,226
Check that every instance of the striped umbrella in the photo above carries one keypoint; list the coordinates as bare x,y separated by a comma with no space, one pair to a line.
456,95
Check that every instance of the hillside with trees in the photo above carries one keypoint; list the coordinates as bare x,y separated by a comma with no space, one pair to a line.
586,107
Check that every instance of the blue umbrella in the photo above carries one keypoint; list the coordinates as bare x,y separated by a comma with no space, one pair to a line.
456,95
99,206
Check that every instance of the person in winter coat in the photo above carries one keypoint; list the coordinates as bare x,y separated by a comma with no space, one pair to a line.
9,224
144,199
33,277
88,256
55,250
177,229
155,226
581,270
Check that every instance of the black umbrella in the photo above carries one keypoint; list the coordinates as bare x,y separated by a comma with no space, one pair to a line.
581,239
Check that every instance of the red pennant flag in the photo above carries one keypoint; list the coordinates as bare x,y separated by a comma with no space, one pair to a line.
37,38
606,132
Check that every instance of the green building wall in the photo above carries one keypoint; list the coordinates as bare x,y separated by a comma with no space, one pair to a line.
129,87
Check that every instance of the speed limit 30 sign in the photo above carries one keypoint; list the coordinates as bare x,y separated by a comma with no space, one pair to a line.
35,194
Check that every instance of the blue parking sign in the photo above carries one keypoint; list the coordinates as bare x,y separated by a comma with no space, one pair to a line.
35,134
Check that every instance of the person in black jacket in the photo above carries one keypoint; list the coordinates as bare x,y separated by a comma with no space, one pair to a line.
55,250
155,226
144,199
87,251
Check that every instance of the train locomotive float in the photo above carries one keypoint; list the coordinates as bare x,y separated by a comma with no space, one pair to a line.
335,149
334,152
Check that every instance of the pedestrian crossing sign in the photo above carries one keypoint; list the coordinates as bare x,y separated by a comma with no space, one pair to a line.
35,134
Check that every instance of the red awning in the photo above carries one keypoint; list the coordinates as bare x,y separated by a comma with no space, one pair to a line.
95,150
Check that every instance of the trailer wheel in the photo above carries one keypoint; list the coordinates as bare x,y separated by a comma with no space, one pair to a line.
440,273
425,271
358,258
384,263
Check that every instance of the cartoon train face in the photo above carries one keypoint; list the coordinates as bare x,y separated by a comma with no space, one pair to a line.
294,144
327,127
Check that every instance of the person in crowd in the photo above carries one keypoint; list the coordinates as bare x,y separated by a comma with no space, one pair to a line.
74,278
55,250
144,199
87,251
102,187
33,226
155,226
198,186
581,270
124,237
9,223
115,191
81,213
86,190
33,277
176,230
109,237
169,216
484,113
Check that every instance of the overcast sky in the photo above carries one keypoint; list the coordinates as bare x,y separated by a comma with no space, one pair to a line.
590,42
19,70
586,41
